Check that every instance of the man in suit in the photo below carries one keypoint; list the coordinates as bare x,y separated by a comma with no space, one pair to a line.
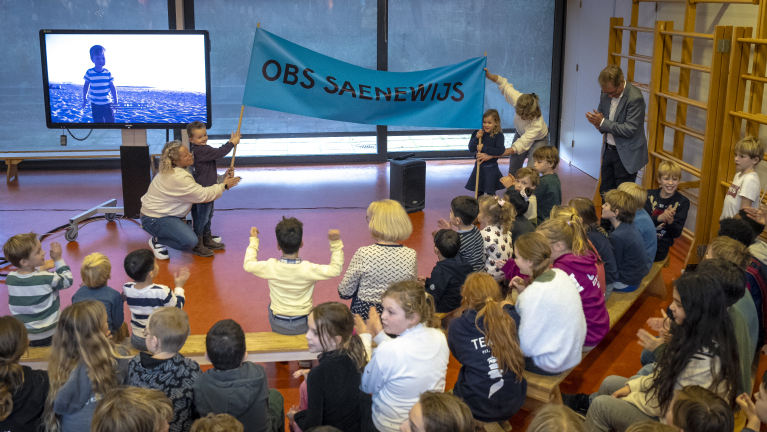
620,119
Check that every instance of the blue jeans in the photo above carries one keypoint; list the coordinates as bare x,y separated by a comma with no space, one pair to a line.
170,231
201,216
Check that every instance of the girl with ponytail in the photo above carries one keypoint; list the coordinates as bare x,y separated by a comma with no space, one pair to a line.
552,326
22,389
496,218
330,396
572,253
484,340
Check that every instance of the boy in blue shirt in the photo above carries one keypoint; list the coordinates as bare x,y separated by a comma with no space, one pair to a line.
96,272
628,247
99,85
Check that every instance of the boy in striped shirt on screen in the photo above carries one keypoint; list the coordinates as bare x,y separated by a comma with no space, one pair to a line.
99,85
143,296
33,295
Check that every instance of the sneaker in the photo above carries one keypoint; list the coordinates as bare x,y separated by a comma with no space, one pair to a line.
160,251
578,402
201,250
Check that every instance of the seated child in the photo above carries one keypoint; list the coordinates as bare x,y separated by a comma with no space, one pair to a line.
235,386
552,326
556,418
204,171
597,236
651,426
697,409
756,413
521,225
291,280
81,350
642,221
373,268
549,190
746,187
628,247
96,272
144,296
448,275
667,207
164,369
496,218
463,211
491,138
438,412
23,390
524,184
34,293
217,423
132,409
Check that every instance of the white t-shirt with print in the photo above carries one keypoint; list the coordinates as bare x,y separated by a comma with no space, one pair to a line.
743,186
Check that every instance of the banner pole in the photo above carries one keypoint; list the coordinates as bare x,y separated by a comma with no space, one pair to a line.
239,124
476,185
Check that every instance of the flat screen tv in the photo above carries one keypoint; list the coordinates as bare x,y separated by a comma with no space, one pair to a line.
115,79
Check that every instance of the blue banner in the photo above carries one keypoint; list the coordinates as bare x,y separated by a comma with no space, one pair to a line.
287,77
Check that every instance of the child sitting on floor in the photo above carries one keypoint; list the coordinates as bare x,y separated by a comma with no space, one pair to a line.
437,412
628,247
756,413
549,190
291,280
33,295
496,217
164,368
448,275
96,272
642,221
144,296
251,401
556,418
697,409
217,423
667,207
463,211
132,409
521,224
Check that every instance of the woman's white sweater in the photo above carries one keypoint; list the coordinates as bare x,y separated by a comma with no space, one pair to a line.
172,194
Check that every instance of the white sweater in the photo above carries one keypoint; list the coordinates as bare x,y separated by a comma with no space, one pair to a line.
552,327
401,369
173,194
528,131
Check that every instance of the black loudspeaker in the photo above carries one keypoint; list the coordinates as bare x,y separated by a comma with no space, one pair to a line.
407,183
134,163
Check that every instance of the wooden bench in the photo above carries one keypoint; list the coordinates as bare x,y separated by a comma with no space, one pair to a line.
545,389
262,348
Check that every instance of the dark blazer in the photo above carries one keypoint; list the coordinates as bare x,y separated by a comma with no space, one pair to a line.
627,128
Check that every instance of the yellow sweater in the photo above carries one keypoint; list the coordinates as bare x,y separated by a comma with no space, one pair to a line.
291,285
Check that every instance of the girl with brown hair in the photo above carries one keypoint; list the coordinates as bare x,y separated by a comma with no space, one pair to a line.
22,389
484,340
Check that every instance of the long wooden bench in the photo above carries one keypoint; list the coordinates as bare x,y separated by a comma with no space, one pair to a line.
262,348
545,389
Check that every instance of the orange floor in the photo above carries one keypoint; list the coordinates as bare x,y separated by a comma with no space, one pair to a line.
322,196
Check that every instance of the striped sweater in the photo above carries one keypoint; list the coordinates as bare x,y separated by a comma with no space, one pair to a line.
472,248
34,298
142,302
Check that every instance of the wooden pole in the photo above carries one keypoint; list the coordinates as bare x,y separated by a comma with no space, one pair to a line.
239,124
476,185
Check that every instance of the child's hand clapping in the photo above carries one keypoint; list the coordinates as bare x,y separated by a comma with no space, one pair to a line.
235,139
648,341
748,407
181,276
421,281
508,181
443,224
55,251
254,232
301,373
333,235
518,283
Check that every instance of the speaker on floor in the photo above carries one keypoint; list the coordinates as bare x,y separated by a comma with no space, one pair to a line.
407,183
136,176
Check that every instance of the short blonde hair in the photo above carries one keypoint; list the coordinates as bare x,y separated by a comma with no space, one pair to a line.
751,147
638,193
388,221
170,325
669,168
611,74
96,270
557,418
217,423
729,249
20,247
132,409
530,173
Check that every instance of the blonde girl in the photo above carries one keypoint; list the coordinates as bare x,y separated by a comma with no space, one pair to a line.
571,253
373,268
170,197
492,145
412,363
22,389
83,367
532,132
491,380
330,394
552,326
556,418
496,218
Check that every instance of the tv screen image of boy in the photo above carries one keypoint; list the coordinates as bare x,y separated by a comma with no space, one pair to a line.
107,78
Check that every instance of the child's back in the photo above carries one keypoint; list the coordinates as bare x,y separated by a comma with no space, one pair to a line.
548,194
630,255
472,248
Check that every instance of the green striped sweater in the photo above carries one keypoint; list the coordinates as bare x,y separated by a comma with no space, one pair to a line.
34,298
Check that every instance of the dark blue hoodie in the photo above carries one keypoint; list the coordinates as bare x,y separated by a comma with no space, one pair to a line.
446,281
